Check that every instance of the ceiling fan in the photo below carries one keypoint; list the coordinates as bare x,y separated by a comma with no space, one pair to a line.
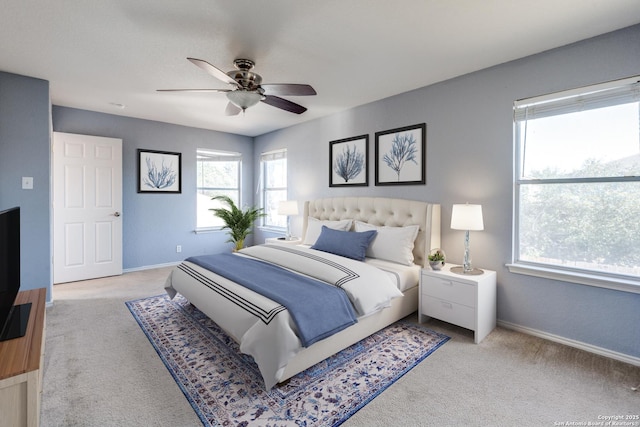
248,89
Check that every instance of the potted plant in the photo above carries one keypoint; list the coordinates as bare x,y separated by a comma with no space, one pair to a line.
239,222
436,259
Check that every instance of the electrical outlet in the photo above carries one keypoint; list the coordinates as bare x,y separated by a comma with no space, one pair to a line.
179,248
27,183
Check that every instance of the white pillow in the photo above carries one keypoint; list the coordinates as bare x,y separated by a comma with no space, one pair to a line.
314,227
393,244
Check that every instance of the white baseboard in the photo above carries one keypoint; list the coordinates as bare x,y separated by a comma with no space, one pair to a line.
150,267
572,343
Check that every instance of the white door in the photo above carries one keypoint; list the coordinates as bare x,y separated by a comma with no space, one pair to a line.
87,207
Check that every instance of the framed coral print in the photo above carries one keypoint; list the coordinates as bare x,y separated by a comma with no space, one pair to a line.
349,161
401,156
159,172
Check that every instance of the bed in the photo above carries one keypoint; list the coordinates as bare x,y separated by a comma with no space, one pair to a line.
267,331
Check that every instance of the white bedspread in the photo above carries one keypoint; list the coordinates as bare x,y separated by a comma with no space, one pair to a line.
263,328
406,276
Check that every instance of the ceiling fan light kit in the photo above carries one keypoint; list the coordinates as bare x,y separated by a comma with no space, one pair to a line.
244,99
248,88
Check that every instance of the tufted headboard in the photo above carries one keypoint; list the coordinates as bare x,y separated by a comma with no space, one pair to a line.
383,211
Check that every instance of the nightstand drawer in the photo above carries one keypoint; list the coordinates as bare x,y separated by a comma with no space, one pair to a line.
450,290
449,312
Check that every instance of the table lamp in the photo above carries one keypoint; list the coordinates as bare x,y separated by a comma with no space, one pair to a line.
288,208
466,217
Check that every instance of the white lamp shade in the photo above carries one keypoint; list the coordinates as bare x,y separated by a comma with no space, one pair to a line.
244,99
467,217
288,207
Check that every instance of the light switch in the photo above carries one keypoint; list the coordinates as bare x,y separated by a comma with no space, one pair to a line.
27,183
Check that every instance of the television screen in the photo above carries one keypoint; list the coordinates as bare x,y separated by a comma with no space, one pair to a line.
9,263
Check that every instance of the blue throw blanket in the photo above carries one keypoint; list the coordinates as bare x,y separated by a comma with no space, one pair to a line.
319,309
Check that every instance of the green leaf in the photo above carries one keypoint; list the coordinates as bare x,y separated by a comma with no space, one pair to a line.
239,222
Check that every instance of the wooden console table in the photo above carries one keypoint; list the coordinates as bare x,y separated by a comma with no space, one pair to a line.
21,366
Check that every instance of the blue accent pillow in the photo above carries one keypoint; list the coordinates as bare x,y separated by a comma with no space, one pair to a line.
349,244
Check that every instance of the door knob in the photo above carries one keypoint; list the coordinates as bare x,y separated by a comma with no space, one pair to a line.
117,214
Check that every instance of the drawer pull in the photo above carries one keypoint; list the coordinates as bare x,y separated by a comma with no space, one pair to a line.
446,305
446,283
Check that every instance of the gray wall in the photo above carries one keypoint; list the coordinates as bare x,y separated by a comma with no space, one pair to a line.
24,151
153,224
470,159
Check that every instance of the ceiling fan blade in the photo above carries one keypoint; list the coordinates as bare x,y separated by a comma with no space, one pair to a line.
193,90
215,72
287,89
232,109
284,104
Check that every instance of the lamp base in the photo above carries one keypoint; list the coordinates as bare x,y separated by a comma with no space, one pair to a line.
460,270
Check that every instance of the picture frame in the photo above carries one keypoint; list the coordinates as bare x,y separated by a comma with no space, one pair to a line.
400,156
349,162
159,171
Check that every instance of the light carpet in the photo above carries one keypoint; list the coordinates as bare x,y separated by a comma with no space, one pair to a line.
224,386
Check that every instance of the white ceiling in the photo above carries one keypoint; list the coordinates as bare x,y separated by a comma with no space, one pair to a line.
97,54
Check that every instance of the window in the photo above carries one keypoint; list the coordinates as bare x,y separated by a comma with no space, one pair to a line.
273,179
577,185
218,174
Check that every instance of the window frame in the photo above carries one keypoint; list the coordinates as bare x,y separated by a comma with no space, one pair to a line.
273,155
217,156
550,105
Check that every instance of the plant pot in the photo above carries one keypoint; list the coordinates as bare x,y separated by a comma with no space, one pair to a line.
436,265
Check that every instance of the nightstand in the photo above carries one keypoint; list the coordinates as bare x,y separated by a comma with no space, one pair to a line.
467,301
281,240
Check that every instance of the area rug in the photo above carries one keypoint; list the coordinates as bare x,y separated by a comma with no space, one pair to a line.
224,386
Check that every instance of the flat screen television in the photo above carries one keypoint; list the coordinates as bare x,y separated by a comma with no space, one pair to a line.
13,318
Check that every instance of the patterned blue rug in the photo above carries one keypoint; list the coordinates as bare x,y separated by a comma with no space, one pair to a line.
224,386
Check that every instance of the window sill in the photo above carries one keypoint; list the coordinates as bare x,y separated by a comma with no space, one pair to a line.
272,229
206,230
601,281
